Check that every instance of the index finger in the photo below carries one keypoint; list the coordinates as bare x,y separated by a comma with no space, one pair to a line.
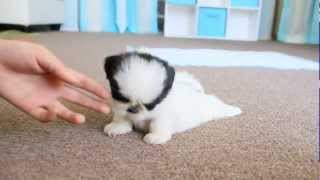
89,85
50,63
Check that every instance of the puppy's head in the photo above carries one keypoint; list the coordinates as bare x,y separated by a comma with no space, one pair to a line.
139,80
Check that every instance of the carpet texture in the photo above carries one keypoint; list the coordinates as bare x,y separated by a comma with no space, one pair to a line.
276,137
13,34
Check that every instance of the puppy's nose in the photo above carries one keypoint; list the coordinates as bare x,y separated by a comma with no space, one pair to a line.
133,109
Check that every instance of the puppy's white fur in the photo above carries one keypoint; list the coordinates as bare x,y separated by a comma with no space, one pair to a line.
186,105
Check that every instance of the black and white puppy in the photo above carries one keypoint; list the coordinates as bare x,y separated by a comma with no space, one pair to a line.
150,96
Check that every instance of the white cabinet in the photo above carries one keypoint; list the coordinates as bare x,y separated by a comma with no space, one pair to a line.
31,12
216,19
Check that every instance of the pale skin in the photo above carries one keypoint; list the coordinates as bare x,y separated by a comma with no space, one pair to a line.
35,81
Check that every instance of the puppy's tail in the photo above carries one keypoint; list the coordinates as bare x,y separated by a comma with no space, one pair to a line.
220,110
190,80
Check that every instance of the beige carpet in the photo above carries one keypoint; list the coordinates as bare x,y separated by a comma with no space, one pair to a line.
13,34
275,138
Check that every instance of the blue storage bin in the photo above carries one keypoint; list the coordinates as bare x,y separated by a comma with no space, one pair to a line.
140,12
212,22
245,3
71,16
182,2
93,17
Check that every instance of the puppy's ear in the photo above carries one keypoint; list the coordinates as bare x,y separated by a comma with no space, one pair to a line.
168,83
170,75
169,80
112,64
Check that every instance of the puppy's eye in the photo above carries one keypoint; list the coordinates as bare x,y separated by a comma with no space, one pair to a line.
133,109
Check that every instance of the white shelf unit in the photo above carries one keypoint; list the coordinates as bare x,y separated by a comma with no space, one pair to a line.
31,12
235,22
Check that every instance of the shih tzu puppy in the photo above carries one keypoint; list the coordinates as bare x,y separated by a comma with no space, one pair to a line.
148,95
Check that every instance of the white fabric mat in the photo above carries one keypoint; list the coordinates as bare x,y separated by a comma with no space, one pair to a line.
226,58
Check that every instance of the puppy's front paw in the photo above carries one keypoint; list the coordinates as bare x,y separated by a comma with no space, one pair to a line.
157,138
117,128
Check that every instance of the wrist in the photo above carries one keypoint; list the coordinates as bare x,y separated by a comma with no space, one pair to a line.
2,79
3,42
3,47
3,70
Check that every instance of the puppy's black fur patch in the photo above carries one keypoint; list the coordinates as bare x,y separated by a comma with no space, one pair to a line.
112,66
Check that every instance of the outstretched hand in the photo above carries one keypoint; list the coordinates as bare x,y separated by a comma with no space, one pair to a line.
34,80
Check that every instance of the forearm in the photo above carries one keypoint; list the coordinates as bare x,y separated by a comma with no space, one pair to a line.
6,56
8,59
2,69
2,41
5,81
5,52
2,49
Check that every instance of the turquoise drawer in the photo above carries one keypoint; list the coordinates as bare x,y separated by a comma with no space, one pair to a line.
212,22
182,2
245,3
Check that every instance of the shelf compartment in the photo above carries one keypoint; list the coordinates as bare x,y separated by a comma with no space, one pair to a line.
213,3
244,3
211,22
180,21
181,2
242,24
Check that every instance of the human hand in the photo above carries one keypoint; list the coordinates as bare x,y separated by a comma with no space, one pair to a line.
34,80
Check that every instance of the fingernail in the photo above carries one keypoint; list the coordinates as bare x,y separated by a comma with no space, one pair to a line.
105,109
81,119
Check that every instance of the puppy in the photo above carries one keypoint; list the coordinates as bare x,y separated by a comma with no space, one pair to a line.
150,96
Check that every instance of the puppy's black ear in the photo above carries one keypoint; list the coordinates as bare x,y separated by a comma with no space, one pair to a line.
168,83
112,64
170,76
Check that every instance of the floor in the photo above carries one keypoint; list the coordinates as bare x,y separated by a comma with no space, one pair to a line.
276,137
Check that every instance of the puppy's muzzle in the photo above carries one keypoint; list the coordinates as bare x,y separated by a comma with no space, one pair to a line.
134,109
